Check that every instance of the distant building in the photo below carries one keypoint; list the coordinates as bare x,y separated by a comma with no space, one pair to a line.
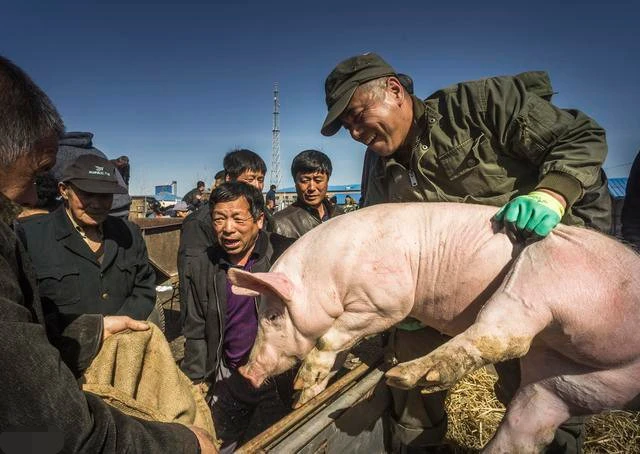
166,194
617,188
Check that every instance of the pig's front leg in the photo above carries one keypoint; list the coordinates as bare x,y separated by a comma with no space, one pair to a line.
314,374
503,330
318,366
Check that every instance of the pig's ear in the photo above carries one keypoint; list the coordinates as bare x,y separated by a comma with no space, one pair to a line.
253,284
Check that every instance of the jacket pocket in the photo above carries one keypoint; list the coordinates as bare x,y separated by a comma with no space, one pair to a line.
471,168
126,279
60,285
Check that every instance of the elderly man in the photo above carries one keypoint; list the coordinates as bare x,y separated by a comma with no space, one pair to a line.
196,234
39,391
220,326
311,170
496,141
87,261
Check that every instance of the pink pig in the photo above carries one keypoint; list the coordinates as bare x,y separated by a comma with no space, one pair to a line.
568,306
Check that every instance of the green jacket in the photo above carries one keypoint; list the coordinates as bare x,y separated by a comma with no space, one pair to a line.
490,140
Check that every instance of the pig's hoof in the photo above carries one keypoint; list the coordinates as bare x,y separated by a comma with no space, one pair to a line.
440,376
309,376
403,376
303,396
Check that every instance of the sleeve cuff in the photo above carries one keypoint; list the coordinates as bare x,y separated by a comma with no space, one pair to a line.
565,185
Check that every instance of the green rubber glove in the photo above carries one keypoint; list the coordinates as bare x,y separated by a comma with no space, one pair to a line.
537,212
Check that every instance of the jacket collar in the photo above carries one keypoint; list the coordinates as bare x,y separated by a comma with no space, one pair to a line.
425,117
66,233
330,209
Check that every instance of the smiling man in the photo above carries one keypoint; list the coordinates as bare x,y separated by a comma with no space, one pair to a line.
497,141
87,261
311,170
220,327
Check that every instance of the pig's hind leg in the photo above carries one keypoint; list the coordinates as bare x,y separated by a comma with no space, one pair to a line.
503,330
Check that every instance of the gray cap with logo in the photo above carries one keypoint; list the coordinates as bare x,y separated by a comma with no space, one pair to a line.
93,174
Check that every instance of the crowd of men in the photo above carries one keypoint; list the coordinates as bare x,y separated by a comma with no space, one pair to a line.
77,272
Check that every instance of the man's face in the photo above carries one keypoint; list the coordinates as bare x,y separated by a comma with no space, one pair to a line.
18,181
87,209
235,228
251,177
312,187
200,189
378,122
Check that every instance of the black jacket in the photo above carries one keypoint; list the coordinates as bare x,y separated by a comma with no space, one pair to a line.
196,236
39,392
70,279
298,218
206,303
631,207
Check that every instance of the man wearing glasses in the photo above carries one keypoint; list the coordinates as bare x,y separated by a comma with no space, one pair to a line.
220,327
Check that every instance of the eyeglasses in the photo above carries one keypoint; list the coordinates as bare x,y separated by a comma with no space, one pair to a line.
219,221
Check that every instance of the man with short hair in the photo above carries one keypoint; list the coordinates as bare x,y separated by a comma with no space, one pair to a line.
196,234
245,165
220,326
311,170
39,390
497,141
193,198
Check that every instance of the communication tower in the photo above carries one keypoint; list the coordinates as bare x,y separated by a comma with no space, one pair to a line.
275,139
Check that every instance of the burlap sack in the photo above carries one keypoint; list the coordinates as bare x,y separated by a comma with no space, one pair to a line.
136,373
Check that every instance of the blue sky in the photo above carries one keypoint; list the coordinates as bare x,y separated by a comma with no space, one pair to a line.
175,85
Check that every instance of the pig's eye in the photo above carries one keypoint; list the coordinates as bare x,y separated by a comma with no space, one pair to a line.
272,317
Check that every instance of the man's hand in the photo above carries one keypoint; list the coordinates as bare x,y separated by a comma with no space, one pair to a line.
535,213
113,324
207,446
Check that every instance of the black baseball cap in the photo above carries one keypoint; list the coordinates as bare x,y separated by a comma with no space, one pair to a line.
343,81
92,173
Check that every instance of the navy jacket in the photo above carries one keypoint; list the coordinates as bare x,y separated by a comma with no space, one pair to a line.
70,279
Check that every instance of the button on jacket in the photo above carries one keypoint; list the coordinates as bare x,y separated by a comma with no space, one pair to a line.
490,140
72,281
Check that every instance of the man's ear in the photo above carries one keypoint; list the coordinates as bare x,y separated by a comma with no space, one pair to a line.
254,284
395,89
260,221
62,190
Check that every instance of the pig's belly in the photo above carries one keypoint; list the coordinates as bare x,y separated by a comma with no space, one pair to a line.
585,389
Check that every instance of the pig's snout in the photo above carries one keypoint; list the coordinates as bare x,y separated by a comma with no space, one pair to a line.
251,374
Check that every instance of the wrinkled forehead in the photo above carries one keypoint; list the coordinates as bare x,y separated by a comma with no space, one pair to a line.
237,206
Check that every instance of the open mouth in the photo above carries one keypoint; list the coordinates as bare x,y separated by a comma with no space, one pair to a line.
230,244
369,139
